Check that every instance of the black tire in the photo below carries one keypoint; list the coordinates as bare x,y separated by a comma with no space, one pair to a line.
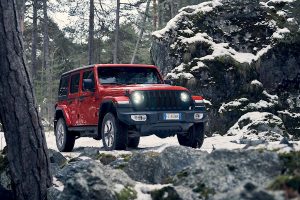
115,128
65,140
194,137
133,142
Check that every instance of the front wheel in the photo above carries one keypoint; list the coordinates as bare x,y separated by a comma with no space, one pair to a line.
114,133
65,140
194,137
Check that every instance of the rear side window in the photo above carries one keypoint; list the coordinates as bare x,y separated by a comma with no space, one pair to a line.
63,86
74,83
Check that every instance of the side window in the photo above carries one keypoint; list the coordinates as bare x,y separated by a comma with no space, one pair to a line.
63,86
88,75
74,83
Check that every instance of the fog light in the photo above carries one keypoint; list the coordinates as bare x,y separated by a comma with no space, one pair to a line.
139,118
198,116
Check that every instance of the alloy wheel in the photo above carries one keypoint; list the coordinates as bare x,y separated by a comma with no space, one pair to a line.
109,133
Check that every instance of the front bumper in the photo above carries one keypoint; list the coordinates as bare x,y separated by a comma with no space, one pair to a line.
154,117
156,124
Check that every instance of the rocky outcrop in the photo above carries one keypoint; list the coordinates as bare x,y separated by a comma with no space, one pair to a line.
175,173
234,52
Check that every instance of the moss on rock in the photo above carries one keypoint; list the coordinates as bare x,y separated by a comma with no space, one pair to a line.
106,159
204,191
291,162
127,193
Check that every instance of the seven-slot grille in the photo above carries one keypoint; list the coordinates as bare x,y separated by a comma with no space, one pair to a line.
163,100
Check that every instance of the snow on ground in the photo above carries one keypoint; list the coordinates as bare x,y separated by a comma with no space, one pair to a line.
153,143
150,143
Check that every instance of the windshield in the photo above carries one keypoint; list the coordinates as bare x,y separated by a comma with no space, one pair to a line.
128,75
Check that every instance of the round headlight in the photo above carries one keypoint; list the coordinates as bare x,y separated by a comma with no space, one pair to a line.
184,96
137,97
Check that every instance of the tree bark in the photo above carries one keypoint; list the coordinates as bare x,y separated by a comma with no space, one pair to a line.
141,31
26,144
91,32
117,29
34,40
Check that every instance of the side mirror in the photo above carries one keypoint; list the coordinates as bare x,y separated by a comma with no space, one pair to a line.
88,85
169,82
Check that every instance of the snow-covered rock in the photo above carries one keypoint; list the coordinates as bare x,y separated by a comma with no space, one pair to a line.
228,50
258,126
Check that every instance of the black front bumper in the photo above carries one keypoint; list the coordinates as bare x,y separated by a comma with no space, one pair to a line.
156,124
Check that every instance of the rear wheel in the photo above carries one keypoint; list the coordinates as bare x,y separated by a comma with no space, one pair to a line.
65,140
114,133
194,137
133,142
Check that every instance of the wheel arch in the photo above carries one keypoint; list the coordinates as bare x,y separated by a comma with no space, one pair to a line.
60,113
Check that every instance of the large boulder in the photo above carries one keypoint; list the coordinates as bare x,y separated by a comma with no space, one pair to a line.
258,126
250,191
154,167
223,171
219,48
89,179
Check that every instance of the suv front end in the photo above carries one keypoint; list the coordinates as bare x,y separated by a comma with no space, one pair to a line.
161,112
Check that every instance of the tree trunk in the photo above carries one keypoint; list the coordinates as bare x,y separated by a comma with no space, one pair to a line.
141,32
47,106
155,15
172,9
91,32
117,29
34,40
159,14
26,144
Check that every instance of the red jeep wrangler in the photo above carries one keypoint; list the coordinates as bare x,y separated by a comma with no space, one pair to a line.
119,103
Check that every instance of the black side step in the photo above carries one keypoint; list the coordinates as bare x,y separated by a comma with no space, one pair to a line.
85,131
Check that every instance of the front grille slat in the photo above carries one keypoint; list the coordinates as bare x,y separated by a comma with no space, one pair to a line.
163,100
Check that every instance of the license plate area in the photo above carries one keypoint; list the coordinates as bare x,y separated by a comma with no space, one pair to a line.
172,116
